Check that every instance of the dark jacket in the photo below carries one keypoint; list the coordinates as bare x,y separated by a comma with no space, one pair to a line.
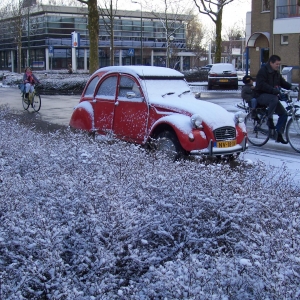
268,81
247,92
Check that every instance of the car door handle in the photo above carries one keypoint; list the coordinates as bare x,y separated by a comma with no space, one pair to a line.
116,103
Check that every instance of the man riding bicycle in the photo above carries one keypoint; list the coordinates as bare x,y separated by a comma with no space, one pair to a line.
267,92
29,80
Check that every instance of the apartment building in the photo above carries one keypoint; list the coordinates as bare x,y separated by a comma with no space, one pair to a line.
275,29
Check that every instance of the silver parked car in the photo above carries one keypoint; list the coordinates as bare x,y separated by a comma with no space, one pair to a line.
222,74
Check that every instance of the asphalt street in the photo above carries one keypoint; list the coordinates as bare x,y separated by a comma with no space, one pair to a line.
55,108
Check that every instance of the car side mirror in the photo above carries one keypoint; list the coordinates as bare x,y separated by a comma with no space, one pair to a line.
198,95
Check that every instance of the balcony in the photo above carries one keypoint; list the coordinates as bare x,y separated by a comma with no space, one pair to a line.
288,11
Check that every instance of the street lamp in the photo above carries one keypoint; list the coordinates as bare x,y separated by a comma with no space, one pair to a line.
140,3
243,40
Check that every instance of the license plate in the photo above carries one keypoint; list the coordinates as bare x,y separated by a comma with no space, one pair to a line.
223,80
226,144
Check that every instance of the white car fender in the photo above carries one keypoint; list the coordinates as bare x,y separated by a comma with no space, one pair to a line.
178,122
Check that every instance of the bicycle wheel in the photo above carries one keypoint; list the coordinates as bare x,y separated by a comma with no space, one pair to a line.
36,102
293,132
257,130
25,102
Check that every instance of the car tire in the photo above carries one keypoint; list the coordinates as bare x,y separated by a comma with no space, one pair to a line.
168,143
209,87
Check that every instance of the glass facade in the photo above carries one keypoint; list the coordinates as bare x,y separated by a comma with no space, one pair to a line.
44,26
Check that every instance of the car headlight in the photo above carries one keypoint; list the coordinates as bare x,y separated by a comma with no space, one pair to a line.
196,121
239,117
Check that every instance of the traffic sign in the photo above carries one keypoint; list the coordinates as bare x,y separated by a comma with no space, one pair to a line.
75,39
130,52
51,50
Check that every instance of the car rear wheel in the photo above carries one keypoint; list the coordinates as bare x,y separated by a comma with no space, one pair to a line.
167,142
209,87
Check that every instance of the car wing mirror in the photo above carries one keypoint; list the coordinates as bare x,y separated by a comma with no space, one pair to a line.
198,95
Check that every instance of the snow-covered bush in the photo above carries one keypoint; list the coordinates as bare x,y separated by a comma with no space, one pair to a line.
52,83
84,219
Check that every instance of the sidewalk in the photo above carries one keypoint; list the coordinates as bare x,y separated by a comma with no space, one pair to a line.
55,109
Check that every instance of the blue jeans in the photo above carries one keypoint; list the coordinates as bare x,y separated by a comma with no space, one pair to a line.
29,88
274,106
253,103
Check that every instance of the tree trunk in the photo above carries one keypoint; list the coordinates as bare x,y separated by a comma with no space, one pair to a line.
93,27
218,53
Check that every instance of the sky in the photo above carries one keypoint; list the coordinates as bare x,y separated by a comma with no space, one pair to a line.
236,11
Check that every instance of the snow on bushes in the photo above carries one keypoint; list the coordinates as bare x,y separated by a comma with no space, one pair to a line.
85,219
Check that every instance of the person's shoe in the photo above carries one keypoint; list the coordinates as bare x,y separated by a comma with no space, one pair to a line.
280,139
270,124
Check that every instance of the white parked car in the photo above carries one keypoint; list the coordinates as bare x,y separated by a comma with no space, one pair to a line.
223,74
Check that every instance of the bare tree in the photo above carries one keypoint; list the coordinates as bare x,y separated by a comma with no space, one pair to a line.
173,16
93,27
16,18
194,38
214,9
108,12
235,32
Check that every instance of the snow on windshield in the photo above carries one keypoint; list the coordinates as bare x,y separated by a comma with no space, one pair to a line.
160,87
222,68
166,93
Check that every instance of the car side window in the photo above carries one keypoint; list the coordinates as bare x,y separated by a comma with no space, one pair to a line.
108,87
89,92
127,84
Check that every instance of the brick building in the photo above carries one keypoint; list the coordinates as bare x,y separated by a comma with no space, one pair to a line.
275,29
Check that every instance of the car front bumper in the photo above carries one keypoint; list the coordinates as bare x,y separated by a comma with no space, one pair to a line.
214,151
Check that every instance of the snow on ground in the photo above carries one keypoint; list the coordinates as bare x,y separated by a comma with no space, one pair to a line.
82,219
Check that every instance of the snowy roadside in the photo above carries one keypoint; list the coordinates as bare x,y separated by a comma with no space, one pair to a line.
107,220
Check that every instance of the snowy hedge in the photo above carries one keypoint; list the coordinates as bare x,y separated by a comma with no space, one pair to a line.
85,219
52,83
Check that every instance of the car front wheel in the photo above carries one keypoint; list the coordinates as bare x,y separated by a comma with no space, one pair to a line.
167,142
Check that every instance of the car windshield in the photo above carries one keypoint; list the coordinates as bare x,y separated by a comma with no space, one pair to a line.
165,87
222,68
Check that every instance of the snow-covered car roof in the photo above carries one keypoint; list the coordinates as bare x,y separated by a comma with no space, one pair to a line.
221,67
144,71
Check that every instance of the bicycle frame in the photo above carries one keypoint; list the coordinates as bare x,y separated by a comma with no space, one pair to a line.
34,99
259,133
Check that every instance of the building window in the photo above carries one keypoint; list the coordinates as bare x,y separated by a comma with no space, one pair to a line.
288,8
284,39
265,5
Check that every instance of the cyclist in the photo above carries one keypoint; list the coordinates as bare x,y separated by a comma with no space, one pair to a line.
70,70
268,83
29,80
248,94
